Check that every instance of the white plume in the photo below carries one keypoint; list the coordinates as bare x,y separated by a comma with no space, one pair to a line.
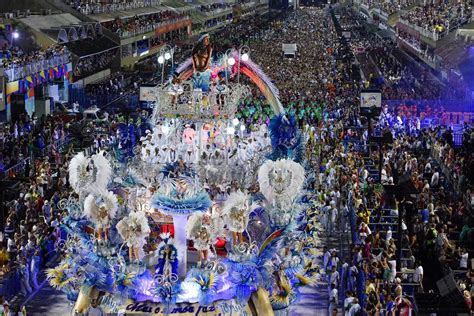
78,171
194,224
93,202
102,172
134,229
281,179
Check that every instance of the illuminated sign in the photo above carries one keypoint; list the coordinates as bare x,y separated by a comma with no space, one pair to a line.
219,308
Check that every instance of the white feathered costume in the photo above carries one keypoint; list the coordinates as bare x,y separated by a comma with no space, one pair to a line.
89,174
204,232
236,211
101,208
134,229
281,181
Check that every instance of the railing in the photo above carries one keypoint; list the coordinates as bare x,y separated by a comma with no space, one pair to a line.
57,145
148,28
217,11
360,278
20,167
16,72
433,35
13,171
114,7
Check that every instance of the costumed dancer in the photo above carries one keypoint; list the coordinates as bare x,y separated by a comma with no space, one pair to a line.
176,89
167,256
203,231
101,210
236,211
134,229
198,232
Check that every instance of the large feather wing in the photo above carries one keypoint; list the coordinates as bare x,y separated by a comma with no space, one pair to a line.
91,210
237,199
77,170
194,224
264,180
111,202
103,172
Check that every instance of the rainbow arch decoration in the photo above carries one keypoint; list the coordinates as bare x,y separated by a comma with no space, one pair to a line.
245,67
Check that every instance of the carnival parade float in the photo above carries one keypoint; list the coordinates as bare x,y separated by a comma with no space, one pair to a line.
203,217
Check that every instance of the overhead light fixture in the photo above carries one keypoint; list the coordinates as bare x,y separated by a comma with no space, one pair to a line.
161,59
245,56
231,61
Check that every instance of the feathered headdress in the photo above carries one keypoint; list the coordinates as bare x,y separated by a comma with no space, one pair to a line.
91,174
237,199
286,174
287,141
93,203
78,173
101,173
134,226
194,224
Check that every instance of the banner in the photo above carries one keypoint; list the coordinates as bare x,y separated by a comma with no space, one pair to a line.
172,27
12,87
219,308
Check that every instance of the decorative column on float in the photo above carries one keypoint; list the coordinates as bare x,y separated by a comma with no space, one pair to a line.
180,196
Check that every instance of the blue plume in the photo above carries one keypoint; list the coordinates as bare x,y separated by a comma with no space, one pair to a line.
199,202
287,141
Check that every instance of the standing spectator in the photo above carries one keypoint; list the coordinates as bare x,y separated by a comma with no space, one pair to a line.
333,299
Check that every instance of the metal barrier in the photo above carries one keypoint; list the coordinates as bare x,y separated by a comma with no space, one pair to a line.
20,167
16,72
360,278
115,7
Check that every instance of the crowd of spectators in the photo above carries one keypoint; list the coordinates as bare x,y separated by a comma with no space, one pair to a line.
92,64
388,7
321,88
20,64
30,207
98,7
27,136
441,17
142,23
213,8
335,120
116,85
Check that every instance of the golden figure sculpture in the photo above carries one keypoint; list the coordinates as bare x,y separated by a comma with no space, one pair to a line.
202,53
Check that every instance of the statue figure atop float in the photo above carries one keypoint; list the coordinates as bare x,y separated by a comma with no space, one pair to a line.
201,59
202,54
